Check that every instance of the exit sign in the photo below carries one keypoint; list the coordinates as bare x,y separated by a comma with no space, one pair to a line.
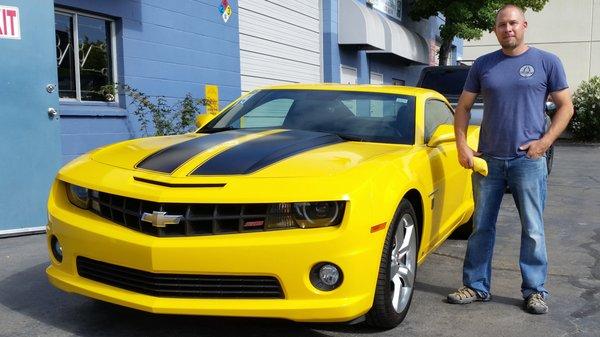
10,23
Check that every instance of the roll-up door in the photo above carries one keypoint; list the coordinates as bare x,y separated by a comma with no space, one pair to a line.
280,42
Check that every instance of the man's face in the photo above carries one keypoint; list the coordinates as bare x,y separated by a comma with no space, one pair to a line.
510,28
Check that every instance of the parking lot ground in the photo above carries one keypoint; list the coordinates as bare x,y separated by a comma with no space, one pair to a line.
29,306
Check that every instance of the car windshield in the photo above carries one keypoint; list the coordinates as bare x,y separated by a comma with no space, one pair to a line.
359,116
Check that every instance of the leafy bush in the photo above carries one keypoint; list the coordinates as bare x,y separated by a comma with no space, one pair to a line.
164,118
585,125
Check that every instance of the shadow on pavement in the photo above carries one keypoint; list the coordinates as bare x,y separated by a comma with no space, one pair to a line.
30,294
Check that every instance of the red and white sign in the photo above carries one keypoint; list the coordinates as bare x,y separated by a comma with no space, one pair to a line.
10,23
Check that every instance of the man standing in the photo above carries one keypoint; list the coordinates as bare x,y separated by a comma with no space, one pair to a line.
514,82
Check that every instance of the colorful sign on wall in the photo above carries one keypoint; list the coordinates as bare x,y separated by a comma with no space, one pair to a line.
225,10
10,23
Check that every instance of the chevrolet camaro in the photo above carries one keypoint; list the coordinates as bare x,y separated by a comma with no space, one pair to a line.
303,202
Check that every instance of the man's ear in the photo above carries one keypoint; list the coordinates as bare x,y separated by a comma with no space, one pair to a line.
525,24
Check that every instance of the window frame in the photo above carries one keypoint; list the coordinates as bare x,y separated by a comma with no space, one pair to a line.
113,56
425,138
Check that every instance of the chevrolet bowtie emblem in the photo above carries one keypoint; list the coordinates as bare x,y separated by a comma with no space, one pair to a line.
161,219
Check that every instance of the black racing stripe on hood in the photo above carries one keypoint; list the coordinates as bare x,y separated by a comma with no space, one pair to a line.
170,158
258,153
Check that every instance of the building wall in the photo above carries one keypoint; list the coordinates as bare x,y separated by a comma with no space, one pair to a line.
172,48
391,66
280,42
569,29
163,49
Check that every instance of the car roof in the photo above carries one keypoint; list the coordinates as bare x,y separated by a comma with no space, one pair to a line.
388,89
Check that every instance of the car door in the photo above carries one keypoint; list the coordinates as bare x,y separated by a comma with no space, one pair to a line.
449,178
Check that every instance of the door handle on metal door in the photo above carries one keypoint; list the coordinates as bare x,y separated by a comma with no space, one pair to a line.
52,113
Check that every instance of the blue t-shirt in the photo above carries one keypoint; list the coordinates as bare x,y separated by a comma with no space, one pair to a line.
514,90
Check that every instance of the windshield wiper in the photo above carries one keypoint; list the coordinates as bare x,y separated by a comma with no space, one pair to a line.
353,138
215,130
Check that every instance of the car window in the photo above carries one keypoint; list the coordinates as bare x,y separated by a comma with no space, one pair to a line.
374,107
436,113
364,116
270,114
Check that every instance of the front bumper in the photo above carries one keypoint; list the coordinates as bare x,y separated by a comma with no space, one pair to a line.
287,255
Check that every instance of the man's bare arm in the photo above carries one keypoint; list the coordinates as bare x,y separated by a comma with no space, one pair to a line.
564,112
462,115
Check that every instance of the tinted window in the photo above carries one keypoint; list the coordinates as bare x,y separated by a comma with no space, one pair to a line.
445,81
436,113
352,115
270,114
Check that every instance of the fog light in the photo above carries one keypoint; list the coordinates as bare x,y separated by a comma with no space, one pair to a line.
56,248
326,276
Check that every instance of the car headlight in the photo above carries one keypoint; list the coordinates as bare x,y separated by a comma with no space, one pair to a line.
78,196
305,214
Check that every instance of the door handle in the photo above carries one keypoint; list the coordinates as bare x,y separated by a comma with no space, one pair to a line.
52,113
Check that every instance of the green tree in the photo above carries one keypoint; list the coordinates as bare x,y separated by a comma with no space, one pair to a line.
466,19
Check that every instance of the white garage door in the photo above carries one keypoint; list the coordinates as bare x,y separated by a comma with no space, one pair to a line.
280,42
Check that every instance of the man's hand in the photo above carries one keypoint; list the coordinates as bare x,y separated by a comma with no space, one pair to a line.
465,156
461,122
535,149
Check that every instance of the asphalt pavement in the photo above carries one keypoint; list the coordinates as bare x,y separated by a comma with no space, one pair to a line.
30,306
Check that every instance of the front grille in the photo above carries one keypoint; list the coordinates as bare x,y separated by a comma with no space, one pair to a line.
179,285
198,219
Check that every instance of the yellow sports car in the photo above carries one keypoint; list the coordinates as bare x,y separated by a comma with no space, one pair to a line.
303,202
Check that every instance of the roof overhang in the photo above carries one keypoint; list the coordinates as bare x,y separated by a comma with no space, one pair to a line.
360,25
403,42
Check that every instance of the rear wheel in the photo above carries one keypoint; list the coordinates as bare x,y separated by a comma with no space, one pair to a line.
550,158
397,271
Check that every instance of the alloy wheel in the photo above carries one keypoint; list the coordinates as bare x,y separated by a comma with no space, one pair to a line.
403,263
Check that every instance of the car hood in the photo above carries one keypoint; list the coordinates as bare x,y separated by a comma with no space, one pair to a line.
255,153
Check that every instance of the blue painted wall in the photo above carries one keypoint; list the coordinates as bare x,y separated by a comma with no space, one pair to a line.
391,66
331,52
164,48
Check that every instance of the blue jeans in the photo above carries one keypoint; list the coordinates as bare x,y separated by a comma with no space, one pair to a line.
527,181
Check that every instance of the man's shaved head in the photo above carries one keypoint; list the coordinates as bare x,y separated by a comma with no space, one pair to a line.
510,27
510,6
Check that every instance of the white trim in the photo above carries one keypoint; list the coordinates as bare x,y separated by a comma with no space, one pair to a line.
113,49
321,15
76,57
371,73
22,231
348,68
70,11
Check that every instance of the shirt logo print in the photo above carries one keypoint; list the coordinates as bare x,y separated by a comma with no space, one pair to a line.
526,71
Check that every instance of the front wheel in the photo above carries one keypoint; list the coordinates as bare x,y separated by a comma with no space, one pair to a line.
397,271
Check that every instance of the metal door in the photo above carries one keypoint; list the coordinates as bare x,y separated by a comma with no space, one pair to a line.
30,131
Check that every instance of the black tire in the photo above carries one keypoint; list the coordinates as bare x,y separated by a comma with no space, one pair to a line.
550,158
383,314
463,231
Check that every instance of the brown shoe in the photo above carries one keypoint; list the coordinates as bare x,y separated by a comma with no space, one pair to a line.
465,295
535,304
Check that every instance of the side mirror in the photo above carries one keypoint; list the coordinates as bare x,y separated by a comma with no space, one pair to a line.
442,134
550,108
203,119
